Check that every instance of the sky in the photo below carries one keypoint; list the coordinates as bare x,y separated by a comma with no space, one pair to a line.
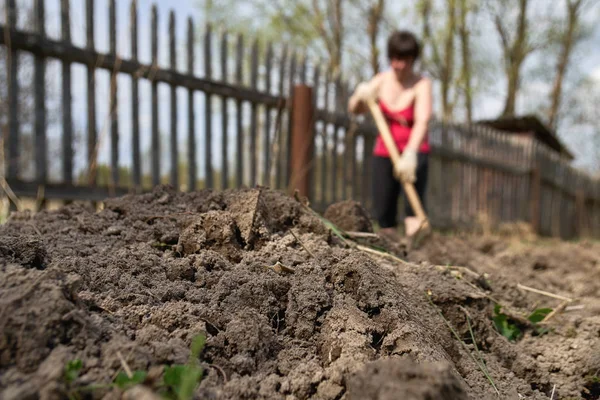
488,106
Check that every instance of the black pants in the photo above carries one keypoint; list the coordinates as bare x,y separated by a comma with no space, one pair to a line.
386,189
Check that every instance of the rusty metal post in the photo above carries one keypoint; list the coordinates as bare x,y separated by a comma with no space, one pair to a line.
302,140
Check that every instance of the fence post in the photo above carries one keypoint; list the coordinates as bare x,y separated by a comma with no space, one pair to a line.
302,140
580,213
535,192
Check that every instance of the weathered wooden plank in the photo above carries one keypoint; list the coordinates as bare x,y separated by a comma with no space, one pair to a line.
67,136
345,151
224,116
239,79
65,191
279,139
267,125
135,108
174,118
368,169
314,168
353,166
56,49
192,170
324,154
91,91
11,146
114,105
287,149
450,155
253,113
155,127
208,108
39,99
335,181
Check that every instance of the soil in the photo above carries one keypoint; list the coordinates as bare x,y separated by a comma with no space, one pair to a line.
290,311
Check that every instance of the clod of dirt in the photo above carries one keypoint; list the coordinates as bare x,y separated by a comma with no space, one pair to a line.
350,216
28,251
390,379
246,208
214,230
37,314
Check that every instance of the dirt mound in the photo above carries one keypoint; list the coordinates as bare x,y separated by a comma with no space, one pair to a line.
289,311
350,216
568,356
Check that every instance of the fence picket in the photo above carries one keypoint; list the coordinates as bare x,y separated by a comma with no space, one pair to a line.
174,131
113,108
239,80
314,167
192,170
208,168
39,100
11,146
253,114
91,94
324,154
155,128
278,140
135,108
224,115
67,135
287,146
267,124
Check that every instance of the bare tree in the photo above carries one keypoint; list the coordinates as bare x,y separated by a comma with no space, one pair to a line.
441,64
465,34
568,39
376,12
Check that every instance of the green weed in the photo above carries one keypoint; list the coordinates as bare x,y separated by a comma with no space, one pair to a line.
72,370
480,364
124,382
179,381
513,331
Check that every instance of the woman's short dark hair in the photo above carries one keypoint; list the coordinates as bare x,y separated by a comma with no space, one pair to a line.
403,44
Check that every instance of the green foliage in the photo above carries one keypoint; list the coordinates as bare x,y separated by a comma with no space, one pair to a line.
507,328
539,315
72,370
590,379
511,330
180,381
124,382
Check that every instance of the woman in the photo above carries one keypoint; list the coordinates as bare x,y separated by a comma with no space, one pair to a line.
405,100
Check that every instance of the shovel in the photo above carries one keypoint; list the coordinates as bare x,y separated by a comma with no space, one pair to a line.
409,188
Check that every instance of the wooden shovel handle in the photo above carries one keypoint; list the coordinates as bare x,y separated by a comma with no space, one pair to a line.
386,135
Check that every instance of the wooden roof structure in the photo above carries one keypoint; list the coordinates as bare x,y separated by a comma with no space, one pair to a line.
530,124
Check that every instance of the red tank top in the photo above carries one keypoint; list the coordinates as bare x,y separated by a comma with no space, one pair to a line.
400,132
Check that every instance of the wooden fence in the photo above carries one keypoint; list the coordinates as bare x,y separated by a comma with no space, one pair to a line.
477,172
242,69
253,112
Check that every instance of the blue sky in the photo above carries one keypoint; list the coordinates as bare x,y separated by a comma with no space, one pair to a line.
488,106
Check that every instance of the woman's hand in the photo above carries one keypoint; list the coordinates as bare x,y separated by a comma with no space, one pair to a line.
366,91
363,92
405,168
